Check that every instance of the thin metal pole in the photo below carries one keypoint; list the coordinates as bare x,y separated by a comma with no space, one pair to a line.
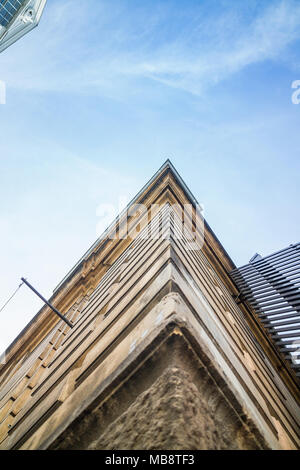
48,303
11,297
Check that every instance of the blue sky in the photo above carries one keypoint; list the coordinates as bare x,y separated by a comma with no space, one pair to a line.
97,99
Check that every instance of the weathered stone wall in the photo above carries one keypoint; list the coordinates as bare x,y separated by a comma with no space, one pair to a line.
172,402
172,414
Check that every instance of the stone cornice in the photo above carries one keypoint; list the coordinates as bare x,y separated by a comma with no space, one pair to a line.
166,186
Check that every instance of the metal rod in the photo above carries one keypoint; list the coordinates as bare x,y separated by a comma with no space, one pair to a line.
282,325
278,262
271,285
261,289
289,342
279,317
274,255
263,314
270,306
273,292
47,303
259,277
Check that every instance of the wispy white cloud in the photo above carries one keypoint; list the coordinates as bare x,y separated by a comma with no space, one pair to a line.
108,52
60,161
264,38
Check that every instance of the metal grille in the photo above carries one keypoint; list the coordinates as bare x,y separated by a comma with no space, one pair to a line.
272,286
9,9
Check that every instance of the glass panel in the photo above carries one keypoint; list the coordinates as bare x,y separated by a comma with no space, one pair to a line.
8,10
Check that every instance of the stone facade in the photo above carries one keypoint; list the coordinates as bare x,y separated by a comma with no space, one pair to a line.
162,355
